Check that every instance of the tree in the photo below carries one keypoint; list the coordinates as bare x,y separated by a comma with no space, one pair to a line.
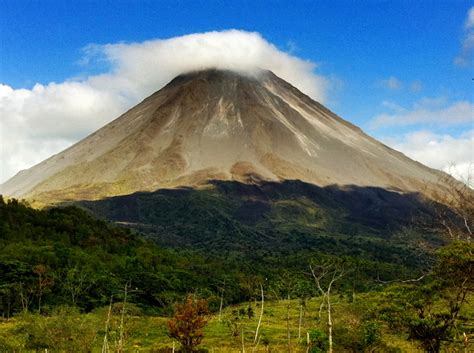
77,281
453,279
330,273
260,317
429,307
188,322
44,281
431,311
454,209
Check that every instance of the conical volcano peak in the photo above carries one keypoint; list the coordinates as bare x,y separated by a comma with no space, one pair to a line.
221,78
225,125
221,81
217,74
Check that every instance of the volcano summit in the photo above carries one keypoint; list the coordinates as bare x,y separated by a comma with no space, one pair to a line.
220,125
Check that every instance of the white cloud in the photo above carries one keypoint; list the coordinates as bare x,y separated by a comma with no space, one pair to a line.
447,152
392,83
467,47
470,19
425,111
454,155
395,84
37,122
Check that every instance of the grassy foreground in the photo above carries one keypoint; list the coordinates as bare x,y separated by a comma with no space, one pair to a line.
356,328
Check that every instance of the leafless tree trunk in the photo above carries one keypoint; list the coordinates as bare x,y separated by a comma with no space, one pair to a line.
288,326
308,341
261,315
222,302
105,344
121,342
255,348
334,273
25,297
300,320
40,291
329,323
41,271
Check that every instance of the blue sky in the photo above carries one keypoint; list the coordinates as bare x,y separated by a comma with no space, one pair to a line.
401,70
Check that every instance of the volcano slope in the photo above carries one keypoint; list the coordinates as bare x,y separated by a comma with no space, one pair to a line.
220,125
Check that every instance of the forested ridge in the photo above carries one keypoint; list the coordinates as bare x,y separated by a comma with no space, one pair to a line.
65,255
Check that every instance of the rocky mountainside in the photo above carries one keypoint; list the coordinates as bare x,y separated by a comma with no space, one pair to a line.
220,125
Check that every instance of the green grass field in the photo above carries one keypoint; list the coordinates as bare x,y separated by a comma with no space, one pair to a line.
234,332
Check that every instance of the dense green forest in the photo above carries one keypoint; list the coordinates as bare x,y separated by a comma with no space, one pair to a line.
280,220
67,256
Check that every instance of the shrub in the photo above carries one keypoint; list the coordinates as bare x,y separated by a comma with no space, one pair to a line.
318,341
362,338
67,330
188,322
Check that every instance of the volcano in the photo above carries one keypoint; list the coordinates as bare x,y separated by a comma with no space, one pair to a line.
220,125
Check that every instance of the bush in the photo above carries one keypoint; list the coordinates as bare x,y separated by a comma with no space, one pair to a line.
188,322
318,341
67,330
370,334
361,338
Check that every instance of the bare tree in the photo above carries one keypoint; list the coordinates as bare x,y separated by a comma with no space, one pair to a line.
222,301
77,281
26,293
454,209
260,317
328,273
300,321
288,334
121,343
44,281
105,343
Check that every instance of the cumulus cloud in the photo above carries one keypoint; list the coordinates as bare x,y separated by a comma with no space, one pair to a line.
425,111
38,122
467,44
451,154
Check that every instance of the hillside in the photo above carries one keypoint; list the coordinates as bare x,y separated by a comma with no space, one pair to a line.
291,218
85,261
